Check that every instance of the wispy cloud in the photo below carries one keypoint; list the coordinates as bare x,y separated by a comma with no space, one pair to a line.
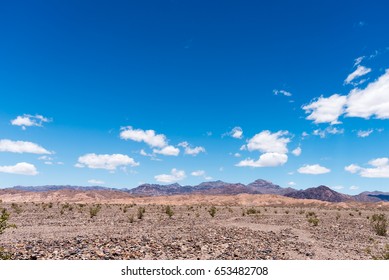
27,120
359,72
281,92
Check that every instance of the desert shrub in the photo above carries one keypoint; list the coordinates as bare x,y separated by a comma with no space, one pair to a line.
94,210
286,212
131,219
4,221
313,220
169,211
16,208
379,223
212,211
311,214
251,211
301,211
141,211
337,216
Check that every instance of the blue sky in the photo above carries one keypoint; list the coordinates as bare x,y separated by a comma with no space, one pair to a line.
118,93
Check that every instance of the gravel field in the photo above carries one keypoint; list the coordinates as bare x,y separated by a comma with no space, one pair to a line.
116,231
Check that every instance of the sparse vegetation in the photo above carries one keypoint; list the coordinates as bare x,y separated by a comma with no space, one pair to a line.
3,226
18,209
94,210
312,218
252,211
337,217
131,219
169,211
212,211
141,211
379,223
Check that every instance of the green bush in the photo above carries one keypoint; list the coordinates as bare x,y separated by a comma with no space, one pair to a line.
379,223
169,211
94,210
212,211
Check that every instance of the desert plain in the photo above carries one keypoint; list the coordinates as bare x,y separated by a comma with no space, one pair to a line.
90,225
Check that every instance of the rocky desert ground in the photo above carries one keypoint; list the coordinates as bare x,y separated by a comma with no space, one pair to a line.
80,225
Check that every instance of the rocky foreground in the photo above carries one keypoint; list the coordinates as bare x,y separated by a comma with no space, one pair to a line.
54,230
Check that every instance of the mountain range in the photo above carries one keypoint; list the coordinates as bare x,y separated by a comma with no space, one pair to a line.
259,186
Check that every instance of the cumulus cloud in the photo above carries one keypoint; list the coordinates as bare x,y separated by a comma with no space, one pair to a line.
236,132
21,168
359,72
292,184
198,173
29,120
96,182
297,151
167,151
379,169
174,176
7,145
281,92
364,133
148,136
314,169
268,142
265,160
191,151
370,101
105,161
326,110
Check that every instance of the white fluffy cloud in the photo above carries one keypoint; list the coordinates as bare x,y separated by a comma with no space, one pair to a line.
371,101
265,160
174,176
297,151
191,151
268,142
21,147
198,173
105,161
326,110
96,182
379,169
314,169
282,92
236,132
167,151
29,120
364,133
359,72
148,136
22,168
292,184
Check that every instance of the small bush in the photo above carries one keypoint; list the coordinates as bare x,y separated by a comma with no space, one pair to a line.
131,219
313,220
379,223
338,216
16,208
212,211
311,214
94,210
141,211
251,211
169,211
4,221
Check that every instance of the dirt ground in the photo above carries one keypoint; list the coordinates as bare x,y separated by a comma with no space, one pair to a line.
116,231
